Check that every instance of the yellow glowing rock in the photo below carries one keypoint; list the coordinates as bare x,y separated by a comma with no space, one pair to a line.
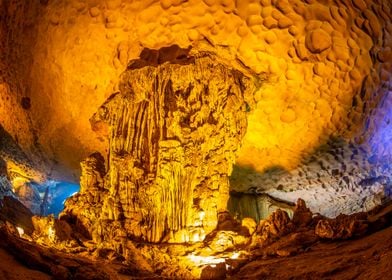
94,12
173,131
288,116
318,41
270,37
250,224
285,22
73,64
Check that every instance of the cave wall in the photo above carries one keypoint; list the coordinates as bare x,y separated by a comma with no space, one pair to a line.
15,19
18,145
327,63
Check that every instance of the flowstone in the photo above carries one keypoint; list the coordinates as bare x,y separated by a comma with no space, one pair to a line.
174,130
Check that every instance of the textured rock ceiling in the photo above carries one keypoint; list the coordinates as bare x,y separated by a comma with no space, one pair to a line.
326,65
269,100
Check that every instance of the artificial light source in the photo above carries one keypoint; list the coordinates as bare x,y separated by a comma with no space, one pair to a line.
51,234
209,260
20,231
235,255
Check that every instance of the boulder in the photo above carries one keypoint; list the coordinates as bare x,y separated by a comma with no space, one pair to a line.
342,227
318,41
302,215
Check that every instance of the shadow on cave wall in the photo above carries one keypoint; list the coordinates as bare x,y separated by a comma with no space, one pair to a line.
11,151
241,178
336,150
43,198
335,166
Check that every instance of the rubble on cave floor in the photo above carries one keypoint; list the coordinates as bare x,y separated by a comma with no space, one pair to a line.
234,249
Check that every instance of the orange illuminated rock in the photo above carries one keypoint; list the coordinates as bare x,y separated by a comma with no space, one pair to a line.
180,118
73,59
288,116
174,130
342,227
302,215
318,41
276,225
82,211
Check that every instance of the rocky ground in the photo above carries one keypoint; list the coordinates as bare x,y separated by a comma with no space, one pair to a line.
369,257
306,246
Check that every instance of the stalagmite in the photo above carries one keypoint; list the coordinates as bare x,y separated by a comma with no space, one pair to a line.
174,129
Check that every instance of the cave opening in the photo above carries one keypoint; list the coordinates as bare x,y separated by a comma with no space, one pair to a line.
46,198
54,197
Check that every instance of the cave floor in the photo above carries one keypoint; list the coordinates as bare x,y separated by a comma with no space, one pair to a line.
369,257
11,269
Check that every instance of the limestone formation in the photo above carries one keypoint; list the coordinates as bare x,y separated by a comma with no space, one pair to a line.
216,256
51,231
342,227
256,206
16,215
318,41
5,188
277,225
82,211
5,184
338,178
17,164
326,68
302,215
30,197
174,130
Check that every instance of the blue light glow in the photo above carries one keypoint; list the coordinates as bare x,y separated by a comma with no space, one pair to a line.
58,195
381,140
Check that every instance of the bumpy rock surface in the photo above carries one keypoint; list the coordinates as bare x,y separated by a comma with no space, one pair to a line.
327,72
328,65
277,225
338,178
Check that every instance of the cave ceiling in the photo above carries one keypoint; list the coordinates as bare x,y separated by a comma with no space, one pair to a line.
324,68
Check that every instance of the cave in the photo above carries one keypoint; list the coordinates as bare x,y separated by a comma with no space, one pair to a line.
184,139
